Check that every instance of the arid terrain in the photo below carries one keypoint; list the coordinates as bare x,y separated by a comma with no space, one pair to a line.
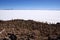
29,29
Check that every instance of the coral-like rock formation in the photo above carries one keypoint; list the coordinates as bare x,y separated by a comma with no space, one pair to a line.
29,29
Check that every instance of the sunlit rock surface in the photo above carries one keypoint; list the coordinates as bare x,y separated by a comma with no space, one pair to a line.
29,29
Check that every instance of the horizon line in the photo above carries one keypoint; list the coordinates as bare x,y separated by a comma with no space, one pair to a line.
30,9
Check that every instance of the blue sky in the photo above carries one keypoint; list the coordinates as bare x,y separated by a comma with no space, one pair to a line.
30,4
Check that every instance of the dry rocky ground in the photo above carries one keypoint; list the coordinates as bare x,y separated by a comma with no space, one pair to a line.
29,29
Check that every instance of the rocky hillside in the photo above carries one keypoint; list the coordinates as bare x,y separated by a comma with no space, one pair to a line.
29,29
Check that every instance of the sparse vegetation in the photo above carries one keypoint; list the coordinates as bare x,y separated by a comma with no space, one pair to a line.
29,29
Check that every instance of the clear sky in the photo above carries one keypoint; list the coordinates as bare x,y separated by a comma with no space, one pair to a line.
30,4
